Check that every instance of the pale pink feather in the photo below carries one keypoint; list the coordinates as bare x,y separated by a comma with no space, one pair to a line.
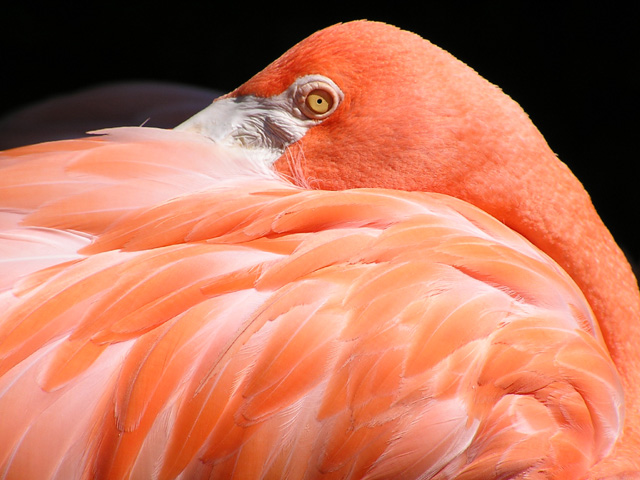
175,311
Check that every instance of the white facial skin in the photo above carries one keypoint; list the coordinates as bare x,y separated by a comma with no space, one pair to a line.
265,127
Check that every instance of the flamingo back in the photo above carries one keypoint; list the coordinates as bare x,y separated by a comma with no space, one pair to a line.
173,310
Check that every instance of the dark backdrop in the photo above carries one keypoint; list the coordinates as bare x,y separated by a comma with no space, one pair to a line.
571,65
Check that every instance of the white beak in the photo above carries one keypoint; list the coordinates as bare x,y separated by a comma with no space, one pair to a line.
262,126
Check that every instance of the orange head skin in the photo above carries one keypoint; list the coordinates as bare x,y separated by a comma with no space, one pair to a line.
415,118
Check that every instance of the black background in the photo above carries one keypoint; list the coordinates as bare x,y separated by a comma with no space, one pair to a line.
571,65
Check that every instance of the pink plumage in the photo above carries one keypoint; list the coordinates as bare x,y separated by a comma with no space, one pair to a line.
173,308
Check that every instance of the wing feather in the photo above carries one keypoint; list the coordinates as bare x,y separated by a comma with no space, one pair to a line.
179,311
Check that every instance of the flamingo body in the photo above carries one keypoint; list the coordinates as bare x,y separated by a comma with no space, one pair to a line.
172,308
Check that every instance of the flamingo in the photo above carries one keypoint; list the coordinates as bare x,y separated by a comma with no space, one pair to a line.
365,262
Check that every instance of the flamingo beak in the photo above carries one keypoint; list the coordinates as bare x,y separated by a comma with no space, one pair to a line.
263,126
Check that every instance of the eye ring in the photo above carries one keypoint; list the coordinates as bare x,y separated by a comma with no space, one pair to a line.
317,99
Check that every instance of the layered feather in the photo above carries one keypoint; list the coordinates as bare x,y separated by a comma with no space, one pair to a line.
191,315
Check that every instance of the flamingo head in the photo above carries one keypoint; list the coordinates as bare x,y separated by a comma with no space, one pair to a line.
366,104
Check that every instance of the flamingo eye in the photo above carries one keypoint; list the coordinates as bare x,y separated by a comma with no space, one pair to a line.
317,98
319,101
